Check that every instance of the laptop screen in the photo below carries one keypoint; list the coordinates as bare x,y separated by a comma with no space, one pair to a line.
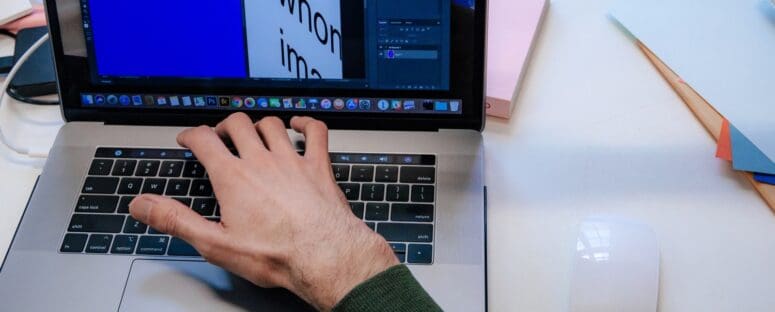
337,56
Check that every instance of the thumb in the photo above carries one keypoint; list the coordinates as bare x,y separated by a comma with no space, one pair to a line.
170,216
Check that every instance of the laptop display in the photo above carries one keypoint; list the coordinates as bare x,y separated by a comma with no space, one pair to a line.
357,57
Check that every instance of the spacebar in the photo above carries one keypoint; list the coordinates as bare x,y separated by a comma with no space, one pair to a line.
179,247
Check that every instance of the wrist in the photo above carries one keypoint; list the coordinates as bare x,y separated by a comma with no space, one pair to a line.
330,275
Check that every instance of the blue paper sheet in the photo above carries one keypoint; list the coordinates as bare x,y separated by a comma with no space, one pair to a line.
745,155
724,49
765,178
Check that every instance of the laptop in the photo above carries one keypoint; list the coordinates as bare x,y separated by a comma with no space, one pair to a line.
399,82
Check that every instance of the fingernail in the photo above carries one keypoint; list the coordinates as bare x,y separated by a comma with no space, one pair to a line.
141,207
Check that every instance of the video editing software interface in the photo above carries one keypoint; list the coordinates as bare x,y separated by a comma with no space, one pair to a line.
272,44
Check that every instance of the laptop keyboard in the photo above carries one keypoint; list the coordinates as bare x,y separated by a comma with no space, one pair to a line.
393,194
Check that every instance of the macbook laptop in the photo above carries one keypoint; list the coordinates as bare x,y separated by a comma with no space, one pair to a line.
399,82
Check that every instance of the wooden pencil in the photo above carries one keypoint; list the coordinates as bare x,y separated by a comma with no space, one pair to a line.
706,114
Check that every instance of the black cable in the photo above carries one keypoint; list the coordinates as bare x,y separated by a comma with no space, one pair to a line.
12,93
7,33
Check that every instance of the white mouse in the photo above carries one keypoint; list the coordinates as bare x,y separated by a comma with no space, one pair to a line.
616,267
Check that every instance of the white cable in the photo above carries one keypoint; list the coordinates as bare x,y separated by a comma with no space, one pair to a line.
21,150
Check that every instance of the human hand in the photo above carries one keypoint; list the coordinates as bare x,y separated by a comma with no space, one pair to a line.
284,221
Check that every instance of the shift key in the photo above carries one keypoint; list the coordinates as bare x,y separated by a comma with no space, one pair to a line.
399,232
96,223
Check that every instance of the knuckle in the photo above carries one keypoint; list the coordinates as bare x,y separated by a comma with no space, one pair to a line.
169,221
198,131
185,134
270,121
238,119
318,125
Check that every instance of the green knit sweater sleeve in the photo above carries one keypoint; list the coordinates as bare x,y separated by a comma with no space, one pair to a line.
393,290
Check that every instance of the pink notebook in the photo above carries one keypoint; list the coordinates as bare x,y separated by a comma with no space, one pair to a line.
513,26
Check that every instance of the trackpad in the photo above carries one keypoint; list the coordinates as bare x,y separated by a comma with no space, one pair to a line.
160,285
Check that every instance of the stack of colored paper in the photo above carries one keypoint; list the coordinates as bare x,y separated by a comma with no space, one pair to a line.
723,51
513,26
733,146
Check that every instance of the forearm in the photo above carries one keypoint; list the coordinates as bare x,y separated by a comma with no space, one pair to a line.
393,290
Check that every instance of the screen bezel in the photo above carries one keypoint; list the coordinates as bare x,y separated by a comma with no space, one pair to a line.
473,116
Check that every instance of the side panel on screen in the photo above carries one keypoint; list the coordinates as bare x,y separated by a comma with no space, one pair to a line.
296,39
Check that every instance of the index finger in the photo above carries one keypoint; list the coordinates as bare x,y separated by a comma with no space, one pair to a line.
315,136
206,145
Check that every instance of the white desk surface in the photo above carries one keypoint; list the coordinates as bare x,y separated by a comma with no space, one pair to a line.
596,131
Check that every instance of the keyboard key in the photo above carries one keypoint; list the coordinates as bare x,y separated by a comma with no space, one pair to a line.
377,211
388,174
193,169
124,167
130,186
100,185
109,152
204,206
178,187
357,209
171,169
409,159
351,190
412,212
96,223
422,193
371,225
341,172
366,158
132,226
123,204
99,243
397,193
96,204
399,249
426,175
373,192
420,254
152,231
186,201
179,247
201,188
341,158
100,167
154,186
152,245
124,244
74,243
148,168
402,232
363,173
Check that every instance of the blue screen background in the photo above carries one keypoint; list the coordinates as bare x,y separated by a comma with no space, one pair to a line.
466,3
172,38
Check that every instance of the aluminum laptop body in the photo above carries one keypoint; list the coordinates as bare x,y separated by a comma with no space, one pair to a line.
403,91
